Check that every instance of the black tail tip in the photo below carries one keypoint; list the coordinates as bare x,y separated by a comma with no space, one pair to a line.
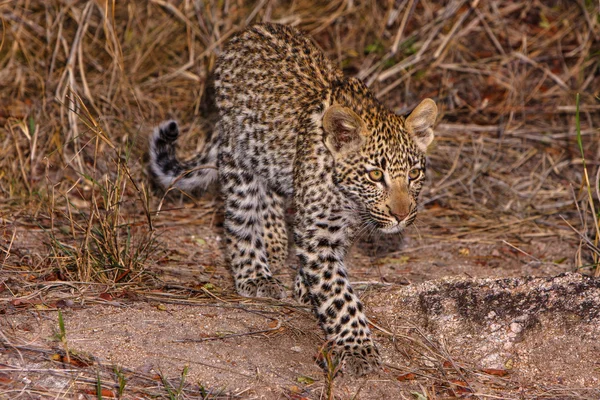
169,131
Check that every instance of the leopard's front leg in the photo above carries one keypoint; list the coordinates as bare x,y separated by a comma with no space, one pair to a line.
322,244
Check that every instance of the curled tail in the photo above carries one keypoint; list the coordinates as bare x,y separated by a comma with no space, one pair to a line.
168,171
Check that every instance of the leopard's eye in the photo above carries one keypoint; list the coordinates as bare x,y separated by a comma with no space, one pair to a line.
376,175
414,173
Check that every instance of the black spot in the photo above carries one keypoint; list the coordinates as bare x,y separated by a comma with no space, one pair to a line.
247,177
329,258
303,259
323,243
313,266
338,303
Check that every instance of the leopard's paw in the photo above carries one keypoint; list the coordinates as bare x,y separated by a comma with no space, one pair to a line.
356,360
362,362
260,287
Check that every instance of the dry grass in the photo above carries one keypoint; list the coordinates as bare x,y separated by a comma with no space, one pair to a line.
82,83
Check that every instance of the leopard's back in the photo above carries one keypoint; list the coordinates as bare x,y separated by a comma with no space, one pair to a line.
267,80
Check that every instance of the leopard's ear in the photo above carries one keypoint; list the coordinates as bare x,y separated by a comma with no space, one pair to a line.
344,130
420,122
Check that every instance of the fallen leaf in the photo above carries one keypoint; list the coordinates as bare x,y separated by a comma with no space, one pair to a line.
495,371
73,360
106,296
306,380
103,392
407,377
461,386
295,389
5,378
273,324
161,307
200,241
419,396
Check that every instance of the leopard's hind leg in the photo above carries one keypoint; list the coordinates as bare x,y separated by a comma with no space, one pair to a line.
274,229
246,202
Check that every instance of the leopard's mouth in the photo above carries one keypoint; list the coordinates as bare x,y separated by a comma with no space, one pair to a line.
392,226
387,226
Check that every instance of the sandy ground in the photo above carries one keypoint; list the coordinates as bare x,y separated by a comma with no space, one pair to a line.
252,348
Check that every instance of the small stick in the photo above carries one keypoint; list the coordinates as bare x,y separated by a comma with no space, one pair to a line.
229,336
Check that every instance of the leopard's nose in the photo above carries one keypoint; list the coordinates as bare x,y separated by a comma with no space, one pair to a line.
400,216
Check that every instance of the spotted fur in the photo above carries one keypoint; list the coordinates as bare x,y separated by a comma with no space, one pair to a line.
292,126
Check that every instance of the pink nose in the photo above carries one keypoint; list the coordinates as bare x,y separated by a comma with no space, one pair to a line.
400,216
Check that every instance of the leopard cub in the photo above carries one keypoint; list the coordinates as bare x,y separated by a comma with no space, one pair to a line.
291,125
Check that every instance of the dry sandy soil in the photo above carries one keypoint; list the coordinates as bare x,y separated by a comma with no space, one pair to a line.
440,337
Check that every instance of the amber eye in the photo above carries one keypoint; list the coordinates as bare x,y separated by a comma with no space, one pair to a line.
414,173
376,175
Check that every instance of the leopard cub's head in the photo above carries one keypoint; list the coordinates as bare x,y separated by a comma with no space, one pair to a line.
380,161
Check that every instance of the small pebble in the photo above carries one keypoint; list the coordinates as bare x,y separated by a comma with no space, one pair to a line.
516,328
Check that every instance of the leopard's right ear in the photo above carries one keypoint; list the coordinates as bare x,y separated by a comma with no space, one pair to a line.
420,122
344,130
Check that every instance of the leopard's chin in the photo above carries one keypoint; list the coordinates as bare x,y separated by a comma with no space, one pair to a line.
396,228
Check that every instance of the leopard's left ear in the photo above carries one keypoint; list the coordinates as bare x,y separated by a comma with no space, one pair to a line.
344,130
420,122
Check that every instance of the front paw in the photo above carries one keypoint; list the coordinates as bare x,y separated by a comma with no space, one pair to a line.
354,359
260,287
361,361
